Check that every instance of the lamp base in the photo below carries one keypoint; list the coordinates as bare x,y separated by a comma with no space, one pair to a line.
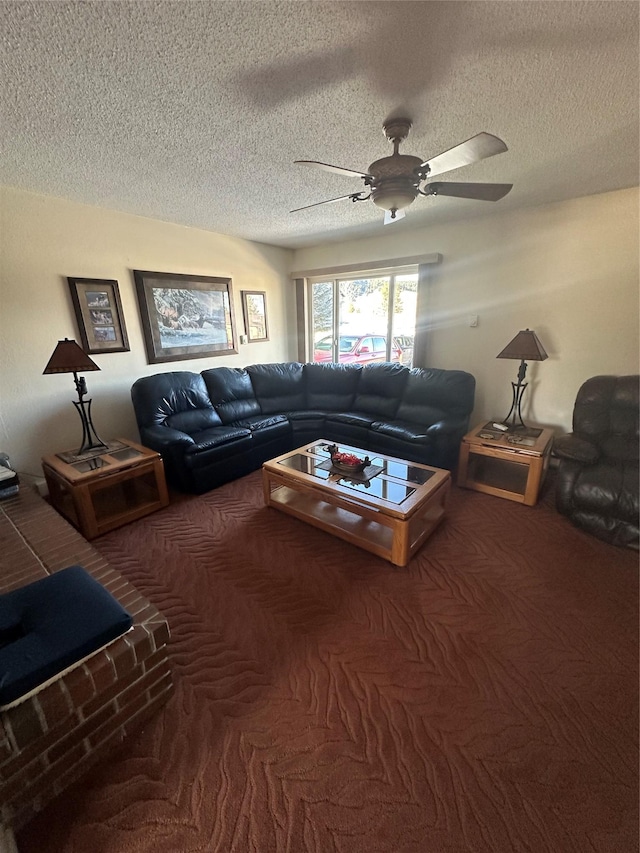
90,438
515,411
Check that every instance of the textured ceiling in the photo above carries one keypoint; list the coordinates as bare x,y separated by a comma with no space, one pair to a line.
193,112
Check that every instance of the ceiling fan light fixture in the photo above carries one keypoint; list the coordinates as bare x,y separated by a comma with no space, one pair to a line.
394,197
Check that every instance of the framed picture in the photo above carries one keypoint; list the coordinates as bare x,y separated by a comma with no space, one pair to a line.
254,308
96,302
185,316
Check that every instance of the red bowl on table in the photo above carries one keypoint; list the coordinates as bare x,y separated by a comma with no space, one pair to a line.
347,463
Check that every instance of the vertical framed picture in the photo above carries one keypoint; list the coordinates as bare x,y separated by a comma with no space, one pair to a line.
254,308
96,302
185,316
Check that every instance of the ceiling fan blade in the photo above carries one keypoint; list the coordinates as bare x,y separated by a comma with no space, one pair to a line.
483,192
388,218
338,169
352,196
477,148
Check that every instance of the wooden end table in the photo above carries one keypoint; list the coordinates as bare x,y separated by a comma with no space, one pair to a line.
508,465
96,495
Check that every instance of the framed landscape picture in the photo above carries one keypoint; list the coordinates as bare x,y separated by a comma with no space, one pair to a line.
254,307
96,302
185,316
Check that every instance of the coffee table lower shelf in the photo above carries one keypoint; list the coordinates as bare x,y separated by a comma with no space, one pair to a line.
393,539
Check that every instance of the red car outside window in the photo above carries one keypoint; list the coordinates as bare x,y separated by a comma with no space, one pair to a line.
357,349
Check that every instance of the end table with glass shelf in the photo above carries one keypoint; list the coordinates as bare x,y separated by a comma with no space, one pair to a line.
510,464
106,490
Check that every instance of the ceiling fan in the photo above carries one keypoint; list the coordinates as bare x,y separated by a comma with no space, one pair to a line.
392,183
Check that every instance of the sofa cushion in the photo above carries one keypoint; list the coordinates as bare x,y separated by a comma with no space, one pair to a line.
431,394
403,431
158,397
621,448
605,406
353,418
215,437
231,393
194,420
380,389
578,449
307,415
51,624
278,387
607,489
267,427
307,425
258,422
331,387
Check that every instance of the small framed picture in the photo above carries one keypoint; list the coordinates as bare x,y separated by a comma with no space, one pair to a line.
254,307
96,302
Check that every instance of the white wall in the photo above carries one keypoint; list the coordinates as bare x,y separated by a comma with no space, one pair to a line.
569,271
42,241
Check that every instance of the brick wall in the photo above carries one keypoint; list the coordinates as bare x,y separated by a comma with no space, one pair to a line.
50,740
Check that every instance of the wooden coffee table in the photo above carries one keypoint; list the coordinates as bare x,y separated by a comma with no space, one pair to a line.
391,514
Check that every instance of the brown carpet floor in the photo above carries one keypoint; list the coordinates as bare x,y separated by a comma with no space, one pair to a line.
485,698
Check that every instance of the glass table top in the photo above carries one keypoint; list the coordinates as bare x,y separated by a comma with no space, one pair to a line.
384,485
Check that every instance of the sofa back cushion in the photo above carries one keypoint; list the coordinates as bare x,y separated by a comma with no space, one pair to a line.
331,387
231,393
380,389
178,400
431,394
279,387
606,412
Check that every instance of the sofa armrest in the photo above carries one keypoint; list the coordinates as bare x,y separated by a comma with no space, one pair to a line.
576,449
164,438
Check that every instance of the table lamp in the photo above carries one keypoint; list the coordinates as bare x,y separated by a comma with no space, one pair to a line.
68,357
526,347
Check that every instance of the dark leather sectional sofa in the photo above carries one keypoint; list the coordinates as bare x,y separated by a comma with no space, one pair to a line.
214,426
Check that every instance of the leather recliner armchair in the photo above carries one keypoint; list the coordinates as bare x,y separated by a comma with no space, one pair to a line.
597,481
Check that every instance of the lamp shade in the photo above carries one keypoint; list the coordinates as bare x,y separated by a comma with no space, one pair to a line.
68,357
525,346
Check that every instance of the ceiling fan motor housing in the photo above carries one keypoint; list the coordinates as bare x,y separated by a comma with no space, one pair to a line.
395,181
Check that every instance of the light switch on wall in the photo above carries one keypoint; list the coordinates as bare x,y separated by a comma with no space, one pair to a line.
473,320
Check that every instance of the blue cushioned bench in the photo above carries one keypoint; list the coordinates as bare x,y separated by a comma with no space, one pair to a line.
51,624
51,735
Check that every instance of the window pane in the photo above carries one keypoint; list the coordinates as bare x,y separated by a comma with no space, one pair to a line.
347,343
364,306
355,320
322,320
404,315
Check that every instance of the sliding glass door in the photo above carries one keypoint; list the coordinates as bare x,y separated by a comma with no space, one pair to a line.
363,320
